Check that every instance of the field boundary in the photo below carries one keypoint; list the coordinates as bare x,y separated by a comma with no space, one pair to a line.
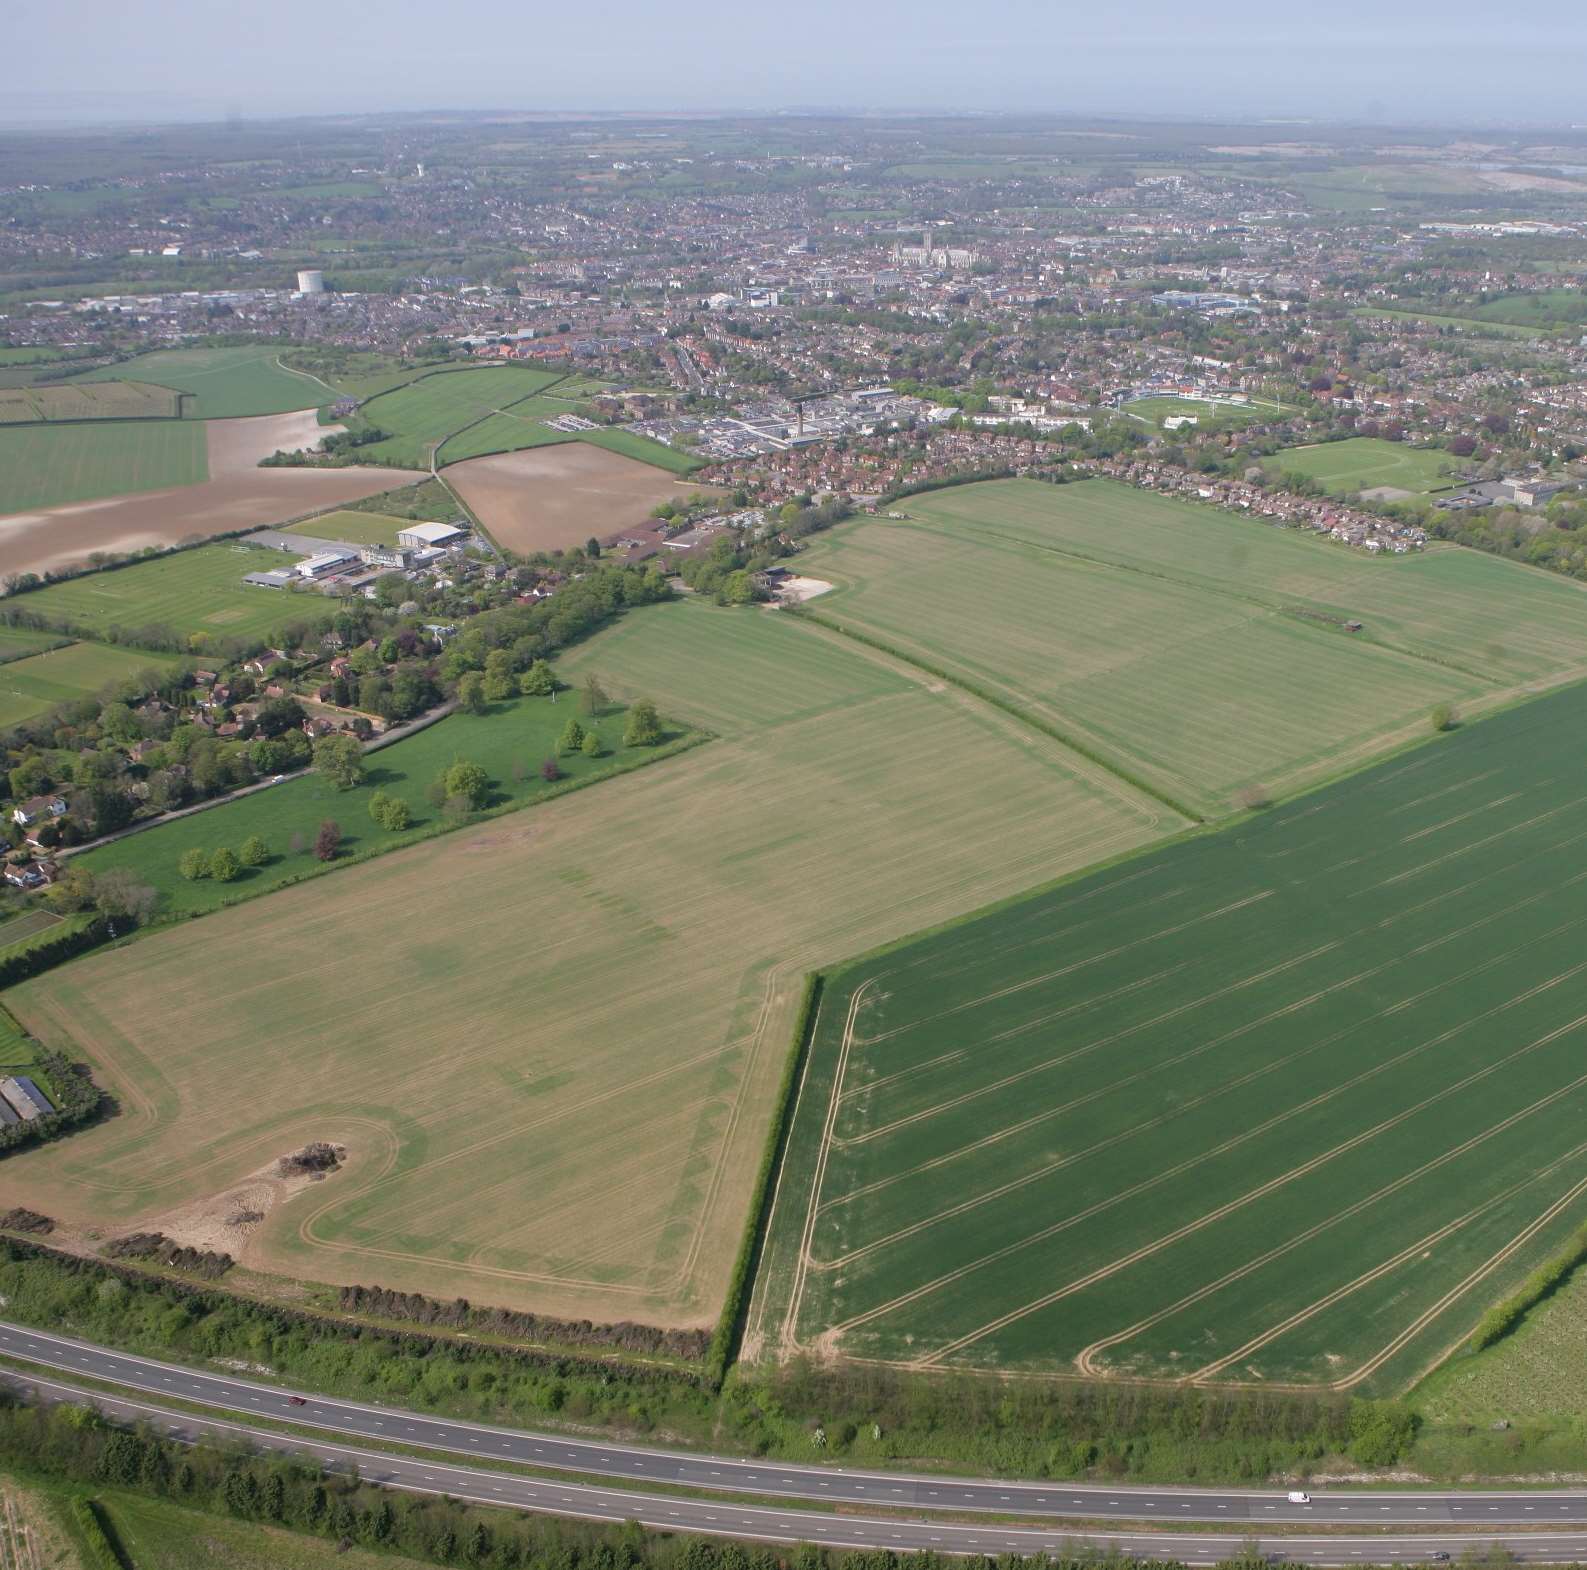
1014,711
728,1338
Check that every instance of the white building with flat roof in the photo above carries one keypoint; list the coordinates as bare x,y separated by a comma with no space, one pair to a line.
420,535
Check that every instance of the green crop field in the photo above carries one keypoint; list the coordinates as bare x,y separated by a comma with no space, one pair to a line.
1363,463
35,685
45,465
89,401
631,445
423,413
355,527
246,379
1180,641
197,591
613,975
1287,1104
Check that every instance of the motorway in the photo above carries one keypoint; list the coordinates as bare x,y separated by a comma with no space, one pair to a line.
1445,1521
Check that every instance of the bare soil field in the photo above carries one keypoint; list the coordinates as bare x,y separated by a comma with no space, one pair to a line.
238,446
238,496
547,498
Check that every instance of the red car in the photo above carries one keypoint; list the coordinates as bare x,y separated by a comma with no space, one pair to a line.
296,1401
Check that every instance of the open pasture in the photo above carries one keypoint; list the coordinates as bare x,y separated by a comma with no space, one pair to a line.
632,445
521,425
1287,1104
422,414
1184,643
33,686
551,1042
1154,411
195,591
89,401
1364,463
243,379
356,527
46,464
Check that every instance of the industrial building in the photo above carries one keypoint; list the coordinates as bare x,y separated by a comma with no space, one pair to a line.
419,536
311,281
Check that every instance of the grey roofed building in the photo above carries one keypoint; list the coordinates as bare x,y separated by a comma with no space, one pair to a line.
27,1100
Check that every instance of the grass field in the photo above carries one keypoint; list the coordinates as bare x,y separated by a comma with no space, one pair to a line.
523,425
89,401
35,685
43,465
19,642
425,412
1287,1104
1363,463
1168,636
1471,324
1153,411
511,743
551,1042
194,591
244,379
631,445
356,527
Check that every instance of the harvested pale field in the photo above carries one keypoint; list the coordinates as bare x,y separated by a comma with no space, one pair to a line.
551,1044
547,498
238,495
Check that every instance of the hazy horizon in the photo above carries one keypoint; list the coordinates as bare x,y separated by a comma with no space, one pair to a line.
91,61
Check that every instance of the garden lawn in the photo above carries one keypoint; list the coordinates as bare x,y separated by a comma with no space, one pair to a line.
198,591
1288,1104
44,464
35,685
244,379
1362,463
551,1042
1198,649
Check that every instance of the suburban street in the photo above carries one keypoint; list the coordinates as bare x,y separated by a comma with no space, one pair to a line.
1245,1513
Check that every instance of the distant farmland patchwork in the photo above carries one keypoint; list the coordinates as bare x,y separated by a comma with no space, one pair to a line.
224,383
1287,1104
1193,648
424,413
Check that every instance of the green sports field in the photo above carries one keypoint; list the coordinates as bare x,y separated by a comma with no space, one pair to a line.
36,684
1364,463
1287,1104
355,527
44,465
1182,642
241,380
192,592
1154,411
427,411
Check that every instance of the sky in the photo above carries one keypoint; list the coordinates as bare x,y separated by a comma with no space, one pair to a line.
1451,62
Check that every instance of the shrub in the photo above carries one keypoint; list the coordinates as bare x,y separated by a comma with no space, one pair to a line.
254,852
572,737
224,865
591,745
551,770
644,725
193,864
327,840
1445,716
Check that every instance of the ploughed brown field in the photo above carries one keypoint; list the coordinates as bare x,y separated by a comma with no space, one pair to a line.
237,495
548,498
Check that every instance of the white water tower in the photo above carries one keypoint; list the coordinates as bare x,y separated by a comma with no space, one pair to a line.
311,281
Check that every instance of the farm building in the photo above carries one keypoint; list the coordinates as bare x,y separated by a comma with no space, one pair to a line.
25,1098
419,535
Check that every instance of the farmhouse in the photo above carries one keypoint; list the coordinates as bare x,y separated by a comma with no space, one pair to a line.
419,535
29,812
25,1098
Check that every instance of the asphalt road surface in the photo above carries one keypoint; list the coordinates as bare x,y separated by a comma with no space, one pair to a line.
1554,1518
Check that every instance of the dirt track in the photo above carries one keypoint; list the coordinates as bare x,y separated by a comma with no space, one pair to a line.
237,495
545,498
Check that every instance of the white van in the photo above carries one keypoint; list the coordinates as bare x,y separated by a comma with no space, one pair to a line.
1299,1497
